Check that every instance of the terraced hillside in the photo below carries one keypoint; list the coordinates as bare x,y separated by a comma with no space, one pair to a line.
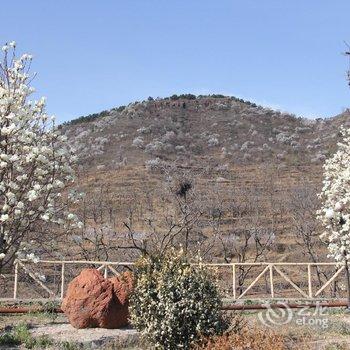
237,153
253,175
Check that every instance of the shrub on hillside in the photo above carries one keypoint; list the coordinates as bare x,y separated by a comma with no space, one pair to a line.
174,304
154,164
87,118
183,96
138,142
213,141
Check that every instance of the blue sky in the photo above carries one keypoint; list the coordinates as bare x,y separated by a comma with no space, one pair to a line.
94,55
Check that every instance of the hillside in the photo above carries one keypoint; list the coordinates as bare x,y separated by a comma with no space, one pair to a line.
201,131
261,166
253,175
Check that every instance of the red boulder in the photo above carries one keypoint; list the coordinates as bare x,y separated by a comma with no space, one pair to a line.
122,286
93,301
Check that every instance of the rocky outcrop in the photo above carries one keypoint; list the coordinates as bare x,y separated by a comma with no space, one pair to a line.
93,301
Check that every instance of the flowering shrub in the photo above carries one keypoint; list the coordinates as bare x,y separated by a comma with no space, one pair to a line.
35,163
153,164
174,304
138,142
169,136
155,146
335,196
213,141
144,130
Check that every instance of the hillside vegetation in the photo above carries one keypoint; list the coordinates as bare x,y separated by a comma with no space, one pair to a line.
256,173
201,131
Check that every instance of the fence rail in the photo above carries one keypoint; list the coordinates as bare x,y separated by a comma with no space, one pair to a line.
274,274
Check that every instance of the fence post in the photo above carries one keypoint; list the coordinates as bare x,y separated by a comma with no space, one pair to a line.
106,271
62,280
15,282
309,280
271,281
234,281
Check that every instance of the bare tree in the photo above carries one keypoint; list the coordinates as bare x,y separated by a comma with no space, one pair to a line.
173,221
240,230
303,205
96,239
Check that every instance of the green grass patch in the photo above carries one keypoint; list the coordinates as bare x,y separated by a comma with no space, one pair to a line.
20,335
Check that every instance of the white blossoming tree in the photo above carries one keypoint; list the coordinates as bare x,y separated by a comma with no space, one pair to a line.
35,162
335,196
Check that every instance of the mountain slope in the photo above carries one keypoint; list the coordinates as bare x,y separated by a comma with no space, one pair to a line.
238,152
204,130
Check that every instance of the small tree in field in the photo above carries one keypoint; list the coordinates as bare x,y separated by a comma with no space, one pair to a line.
35,163
335,195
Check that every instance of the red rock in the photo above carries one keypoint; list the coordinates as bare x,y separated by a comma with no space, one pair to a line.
93,301
122,286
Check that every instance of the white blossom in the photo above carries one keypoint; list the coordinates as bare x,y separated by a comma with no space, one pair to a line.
32,195
70,216
338,206
36,164
33,257
4,217
329,213
335,196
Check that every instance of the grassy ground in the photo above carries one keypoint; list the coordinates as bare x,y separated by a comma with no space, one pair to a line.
327,329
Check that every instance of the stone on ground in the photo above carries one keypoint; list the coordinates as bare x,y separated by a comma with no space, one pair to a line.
92,301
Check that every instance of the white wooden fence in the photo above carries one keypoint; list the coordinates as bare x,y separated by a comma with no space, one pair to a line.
272,272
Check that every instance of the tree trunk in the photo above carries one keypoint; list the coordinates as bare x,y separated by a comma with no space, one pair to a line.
347,282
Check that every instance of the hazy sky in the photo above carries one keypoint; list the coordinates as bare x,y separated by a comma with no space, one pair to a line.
95,55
